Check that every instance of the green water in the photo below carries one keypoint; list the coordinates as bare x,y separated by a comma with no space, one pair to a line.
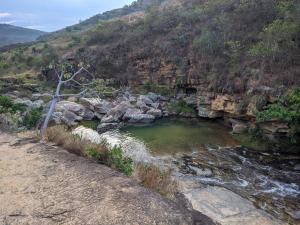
181,135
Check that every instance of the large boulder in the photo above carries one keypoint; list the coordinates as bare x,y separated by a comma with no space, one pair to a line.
70,113
145,99
97,105
142,105
70,118
70,106
118,111
130,112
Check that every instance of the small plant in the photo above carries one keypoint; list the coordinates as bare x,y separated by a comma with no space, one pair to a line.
153,177
33,117
8,106
116,160
93,153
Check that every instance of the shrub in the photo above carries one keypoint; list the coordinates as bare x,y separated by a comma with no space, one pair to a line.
207,43
153,177
33,117
116,160
286,109
93,153
8,106
181,107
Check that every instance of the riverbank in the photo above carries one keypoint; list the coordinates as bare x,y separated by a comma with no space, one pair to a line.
43,184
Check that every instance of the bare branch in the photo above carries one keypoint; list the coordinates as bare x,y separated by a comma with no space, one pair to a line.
73,95
74,75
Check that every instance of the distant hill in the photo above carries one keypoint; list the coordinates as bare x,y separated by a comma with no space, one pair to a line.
10,34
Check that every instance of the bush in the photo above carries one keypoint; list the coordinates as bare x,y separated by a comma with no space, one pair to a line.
116,160
286,109
8,106
181,107
152,177
33,117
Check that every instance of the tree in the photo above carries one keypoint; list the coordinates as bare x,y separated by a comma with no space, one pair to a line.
63,79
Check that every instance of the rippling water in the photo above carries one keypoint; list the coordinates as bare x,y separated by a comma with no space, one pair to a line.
207,153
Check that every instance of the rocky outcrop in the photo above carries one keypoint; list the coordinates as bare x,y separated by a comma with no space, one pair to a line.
228,208
70,113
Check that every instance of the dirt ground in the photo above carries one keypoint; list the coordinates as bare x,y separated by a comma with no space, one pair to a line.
42,184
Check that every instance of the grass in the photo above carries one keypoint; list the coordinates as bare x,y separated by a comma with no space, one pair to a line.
73,143
148,175
151,176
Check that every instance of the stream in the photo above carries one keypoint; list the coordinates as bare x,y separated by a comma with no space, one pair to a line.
203,153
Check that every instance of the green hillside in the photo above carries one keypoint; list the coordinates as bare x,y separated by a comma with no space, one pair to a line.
226,45
10,34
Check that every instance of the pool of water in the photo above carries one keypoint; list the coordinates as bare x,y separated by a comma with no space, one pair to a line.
206,152
176,136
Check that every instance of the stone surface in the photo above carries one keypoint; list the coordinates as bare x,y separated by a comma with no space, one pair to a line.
44,185
142,105
228,208
224,103
145,99
118,111
70,106
104,127
207,113
155,112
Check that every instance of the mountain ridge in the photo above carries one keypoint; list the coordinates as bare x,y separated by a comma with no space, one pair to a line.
10,34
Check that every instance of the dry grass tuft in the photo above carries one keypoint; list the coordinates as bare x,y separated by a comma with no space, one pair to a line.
153,177
72,143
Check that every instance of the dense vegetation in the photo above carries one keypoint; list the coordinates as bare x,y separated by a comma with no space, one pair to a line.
230,45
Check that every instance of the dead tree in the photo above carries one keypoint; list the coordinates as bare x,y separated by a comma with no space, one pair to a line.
56,96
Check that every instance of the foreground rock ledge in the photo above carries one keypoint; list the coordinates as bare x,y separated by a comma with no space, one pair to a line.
42,184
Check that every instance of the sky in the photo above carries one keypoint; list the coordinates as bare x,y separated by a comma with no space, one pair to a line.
51,15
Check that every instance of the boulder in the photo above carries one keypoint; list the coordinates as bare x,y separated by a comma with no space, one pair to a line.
70,118
104,127
118,111
97,105
155,105
155,112
227,208
108,119
130,112
238,127
87,134
145,99
141,118
141,105
154,97
57,117
88,115
71,107
208,113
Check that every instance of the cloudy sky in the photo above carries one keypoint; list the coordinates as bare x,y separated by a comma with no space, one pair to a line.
51,15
